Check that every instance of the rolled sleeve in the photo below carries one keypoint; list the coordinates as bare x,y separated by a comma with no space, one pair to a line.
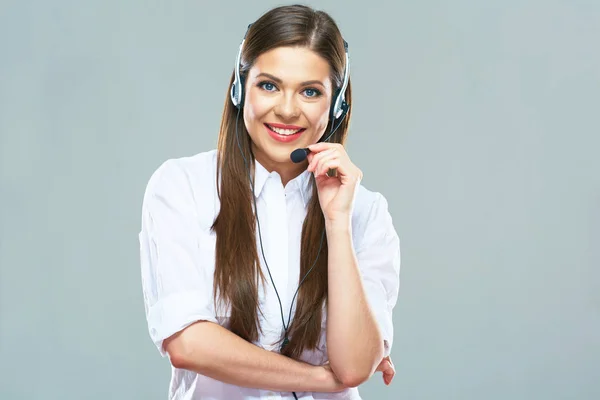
176,283
379,262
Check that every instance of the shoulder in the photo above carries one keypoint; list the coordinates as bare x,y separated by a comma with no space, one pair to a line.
197,169
371,215
185,183
368,201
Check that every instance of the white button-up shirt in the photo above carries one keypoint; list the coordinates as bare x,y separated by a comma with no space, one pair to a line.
177,250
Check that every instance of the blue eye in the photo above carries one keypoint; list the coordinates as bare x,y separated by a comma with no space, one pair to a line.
268,86
310,92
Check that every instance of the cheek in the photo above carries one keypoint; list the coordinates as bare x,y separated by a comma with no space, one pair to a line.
255,107
319,116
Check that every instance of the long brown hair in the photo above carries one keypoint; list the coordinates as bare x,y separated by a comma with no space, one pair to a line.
237,266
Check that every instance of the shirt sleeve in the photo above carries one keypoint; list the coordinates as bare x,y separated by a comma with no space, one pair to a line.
379,262
176,284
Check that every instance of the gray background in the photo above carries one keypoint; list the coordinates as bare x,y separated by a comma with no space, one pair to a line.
477,120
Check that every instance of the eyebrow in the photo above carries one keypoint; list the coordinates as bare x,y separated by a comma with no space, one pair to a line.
278,80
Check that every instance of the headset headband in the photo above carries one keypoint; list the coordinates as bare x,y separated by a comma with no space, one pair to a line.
338,105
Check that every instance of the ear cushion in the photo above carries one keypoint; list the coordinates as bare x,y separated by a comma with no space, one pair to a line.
235,86
232,93
242,90
332,108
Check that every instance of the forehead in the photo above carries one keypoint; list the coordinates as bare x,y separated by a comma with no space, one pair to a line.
293,64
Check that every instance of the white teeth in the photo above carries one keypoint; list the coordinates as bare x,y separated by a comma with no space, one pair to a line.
285,132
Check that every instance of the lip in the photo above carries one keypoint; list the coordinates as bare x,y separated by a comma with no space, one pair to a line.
283,126
284,138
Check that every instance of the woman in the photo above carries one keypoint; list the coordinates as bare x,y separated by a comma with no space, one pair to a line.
297,301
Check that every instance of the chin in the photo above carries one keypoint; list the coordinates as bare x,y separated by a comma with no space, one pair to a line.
281,155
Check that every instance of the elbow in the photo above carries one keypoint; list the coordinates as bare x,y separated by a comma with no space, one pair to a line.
179,351
186,351
178,360
176,351
354,378
355,374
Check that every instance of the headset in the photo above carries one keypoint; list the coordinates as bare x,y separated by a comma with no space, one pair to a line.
339,106
339,109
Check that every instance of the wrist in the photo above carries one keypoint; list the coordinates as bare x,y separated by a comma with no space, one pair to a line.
319,377
340,224
325,381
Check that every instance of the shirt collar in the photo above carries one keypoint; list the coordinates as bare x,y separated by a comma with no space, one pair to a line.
301,182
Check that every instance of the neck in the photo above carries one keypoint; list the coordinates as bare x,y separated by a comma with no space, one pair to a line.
287,170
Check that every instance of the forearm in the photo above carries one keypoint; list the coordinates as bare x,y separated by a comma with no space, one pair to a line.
211,350
354,342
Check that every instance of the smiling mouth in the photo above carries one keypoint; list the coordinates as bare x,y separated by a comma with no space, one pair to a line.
284,132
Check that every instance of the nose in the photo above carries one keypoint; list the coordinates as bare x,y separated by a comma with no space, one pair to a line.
287,108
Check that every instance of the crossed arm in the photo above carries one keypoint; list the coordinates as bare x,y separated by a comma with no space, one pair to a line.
354,342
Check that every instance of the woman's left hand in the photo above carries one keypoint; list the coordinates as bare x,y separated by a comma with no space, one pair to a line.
337,193
386,366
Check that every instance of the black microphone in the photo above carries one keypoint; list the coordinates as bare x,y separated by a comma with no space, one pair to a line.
300,155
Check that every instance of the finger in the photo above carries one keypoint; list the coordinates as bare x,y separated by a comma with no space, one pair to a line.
318,147
388,374
387,379
323,160
313,158
317,157
385,366
389,370
346,172
333,163
312,154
